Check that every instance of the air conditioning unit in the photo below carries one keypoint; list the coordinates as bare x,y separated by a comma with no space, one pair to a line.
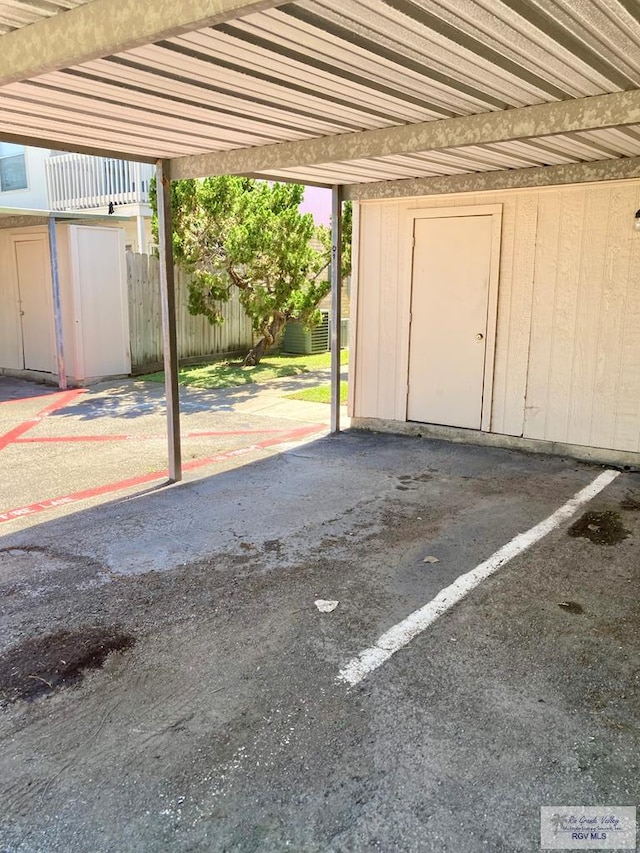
303,341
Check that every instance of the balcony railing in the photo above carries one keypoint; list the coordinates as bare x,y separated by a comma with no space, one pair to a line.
80,182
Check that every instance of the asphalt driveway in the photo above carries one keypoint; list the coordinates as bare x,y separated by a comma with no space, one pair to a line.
222,724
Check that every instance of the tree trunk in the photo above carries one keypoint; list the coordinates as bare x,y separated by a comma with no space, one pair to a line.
255,353
270,336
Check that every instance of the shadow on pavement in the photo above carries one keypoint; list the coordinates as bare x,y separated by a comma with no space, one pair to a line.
22,389
134,398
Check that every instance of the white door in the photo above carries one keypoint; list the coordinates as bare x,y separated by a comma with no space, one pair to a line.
449,305
100,281
36,312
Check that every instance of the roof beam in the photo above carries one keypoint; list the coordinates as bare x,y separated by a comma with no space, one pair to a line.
508,179
593,113
73,147
21,221
104,27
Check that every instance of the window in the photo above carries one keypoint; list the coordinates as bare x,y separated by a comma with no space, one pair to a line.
13,169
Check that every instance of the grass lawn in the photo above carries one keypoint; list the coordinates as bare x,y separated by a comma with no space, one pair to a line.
319,394
225,374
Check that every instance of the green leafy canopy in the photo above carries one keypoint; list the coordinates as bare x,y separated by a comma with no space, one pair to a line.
231,231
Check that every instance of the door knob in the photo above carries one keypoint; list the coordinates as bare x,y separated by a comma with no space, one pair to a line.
479,336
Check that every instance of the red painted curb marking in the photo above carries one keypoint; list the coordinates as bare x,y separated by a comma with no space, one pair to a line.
118,437
62,399
97,491
198,433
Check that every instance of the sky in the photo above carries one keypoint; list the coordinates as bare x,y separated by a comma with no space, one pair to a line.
317,201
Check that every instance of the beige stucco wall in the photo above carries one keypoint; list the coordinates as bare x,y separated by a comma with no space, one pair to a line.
567,361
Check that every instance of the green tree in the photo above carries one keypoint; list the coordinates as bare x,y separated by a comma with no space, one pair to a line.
324,235
239,232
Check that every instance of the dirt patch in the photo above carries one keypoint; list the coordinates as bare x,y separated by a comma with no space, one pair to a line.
601,528
43,664
631,503
407,523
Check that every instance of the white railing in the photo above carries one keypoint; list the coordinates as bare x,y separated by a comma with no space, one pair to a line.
80,182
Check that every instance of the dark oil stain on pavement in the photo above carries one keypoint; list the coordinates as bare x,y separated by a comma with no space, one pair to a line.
601,528
409,482
42,664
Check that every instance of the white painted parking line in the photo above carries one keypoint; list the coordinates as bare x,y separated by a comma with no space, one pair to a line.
401,634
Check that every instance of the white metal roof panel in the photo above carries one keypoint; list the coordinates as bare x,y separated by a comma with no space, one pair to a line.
319,68
15,14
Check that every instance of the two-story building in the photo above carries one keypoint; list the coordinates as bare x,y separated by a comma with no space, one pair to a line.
45,180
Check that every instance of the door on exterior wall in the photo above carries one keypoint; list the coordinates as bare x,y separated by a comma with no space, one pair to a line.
100,294
36,312
449,319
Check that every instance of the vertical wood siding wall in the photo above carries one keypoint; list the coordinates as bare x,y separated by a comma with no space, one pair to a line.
196,336
567,365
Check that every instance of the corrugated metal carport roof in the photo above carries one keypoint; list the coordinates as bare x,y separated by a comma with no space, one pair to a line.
266,73
15,14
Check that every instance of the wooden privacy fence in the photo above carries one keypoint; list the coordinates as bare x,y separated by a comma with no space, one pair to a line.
197,338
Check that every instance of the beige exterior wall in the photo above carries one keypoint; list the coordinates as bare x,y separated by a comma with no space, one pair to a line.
567,359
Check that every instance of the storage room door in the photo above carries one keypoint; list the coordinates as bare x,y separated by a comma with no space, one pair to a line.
449,301
36,310
100,282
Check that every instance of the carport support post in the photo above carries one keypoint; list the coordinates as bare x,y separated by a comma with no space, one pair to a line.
57,304
336,303
168,299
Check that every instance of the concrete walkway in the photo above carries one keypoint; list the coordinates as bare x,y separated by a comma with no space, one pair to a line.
82,446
